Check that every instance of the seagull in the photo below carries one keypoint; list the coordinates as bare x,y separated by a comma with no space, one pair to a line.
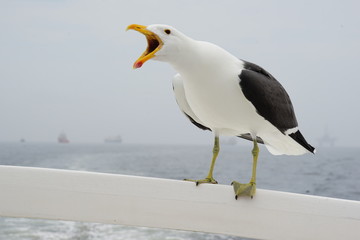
226,95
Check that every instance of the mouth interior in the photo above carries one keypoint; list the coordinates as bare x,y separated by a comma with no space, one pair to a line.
153,44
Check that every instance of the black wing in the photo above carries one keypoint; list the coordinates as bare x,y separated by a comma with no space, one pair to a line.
270,100
268,96
196,123
248,136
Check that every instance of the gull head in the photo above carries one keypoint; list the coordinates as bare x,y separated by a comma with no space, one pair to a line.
164,43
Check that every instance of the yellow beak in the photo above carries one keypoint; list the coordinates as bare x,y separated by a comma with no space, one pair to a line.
154,44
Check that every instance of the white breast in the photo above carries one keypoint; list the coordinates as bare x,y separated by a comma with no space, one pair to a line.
212,90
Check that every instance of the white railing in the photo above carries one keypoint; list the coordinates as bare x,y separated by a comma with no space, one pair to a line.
162,203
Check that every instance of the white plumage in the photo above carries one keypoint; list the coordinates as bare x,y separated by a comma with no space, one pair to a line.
233,123
212,96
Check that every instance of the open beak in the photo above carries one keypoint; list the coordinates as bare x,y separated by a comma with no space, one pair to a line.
154,44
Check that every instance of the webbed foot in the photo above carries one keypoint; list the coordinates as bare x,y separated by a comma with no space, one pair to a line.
205,180
242,189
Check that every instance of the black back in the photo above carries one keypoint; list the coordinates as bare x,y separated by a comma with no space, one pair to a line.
268,96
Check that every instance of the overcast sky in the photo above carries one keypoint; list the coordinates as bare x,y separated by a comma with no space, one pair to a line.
67,65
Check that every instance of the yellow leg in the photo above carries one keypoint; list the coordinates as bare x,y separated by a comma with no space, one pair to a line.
209,178
248,189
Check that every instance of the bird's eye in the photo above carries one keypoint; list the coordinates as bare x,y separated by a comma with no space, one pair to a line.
167,31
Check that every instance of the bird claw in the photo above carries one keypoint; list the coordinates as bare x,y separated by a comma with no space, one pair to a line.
205,180
242,189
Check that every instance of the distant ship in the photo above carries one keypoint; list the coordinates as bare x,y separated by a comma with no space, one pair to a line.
114,139
62,138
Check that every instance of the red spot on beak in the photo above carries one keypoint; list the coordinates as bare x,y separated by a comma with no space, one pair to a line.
138,64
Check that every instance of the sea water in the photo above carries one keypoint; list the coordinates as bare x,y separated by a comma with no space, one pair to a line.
331,172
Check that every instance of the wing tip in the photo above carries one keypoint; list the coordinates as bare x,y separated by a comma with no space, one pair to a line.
299,138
